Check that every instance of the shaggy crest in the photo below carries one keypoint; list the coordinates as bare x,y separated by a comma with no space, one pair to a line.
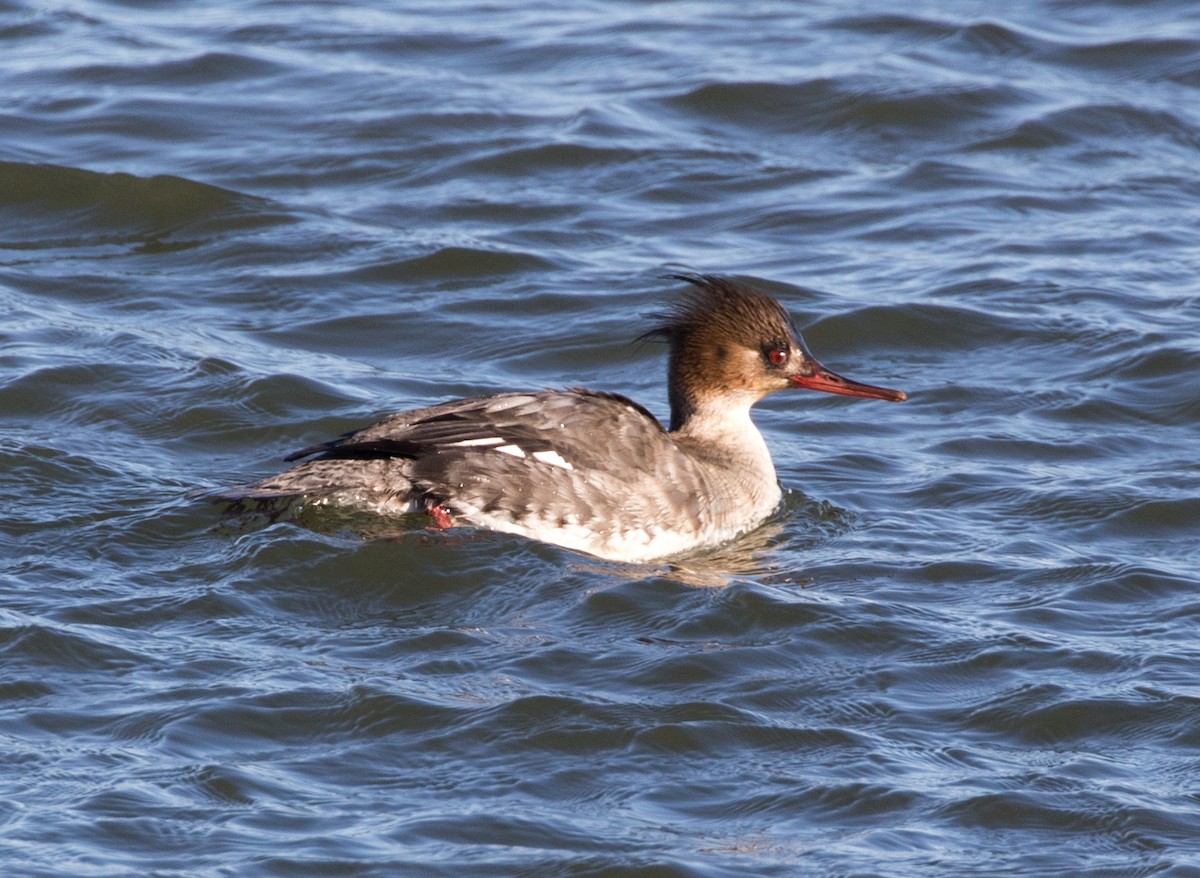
720,304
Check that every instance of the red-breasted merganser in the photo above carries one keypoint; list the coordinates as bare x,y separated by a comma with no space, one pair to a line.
588,470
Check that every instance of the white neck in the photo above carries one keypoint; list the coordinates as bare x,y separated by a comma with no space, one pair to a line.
721,432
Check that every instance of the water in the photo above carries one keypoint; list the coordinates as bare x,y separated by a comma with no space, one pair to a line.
967,644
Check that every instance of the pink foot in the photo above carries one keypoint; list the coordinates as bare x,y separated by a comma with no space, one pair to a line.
440,515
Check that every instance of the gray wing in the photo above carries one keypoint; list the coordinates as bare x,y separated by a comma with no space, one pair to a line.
544,460
591,431
556,456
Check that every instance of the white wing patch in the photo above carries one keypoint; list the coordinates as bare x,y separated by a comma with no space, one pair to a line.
490,440
553,458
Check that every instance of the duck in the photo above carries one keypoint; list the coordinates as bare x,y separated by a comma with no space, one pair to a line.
589,470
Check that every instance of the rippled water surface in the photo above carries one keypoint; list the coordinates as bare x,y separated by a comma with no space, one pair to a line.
967,644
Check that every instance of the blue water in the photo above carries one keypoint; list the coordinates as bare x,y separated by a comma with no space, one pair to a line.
968,642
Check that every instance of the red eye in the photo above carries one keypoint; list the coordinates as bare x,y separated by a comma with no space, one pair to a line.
777,356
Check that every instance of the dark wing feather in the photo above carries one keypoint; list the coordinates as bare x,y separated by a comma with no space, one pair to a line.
346,449
580,425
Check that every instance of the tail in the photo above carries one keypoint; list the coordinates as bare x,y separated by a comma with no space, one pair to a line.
239,501
375,484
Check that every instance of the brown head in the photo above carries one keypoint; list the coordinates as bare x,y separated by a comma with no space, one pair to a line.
732,345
